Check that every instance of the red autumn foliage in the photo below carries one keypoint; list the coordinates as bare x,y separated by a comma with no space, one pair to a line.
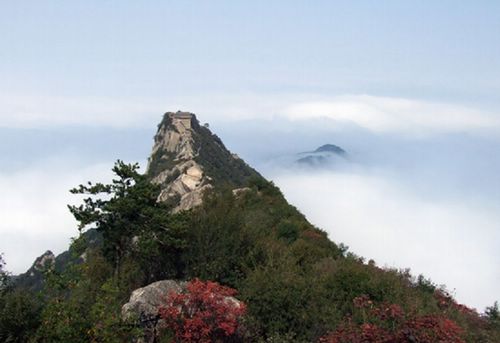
203,313
388,323
446,302
313,235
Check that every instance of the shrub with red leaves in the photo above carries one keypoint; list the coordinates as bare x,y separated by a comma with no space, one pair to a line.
431,328
204,313
388,323
446,302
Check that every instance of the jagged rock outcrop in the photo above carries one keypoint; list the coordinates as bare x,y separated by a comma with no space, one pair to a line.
143,307
45,261
182,176
33,278
187,159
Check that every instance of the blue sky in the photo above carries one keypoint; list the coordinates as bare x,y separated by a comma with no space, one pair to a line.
444,50
409,88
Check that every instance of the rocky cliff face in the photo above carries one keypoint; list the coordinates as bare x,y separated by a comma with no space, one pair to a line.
172,163
187,159
33,278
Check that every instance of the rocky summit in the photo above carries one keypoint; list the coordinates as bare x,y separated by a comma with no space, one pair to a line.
187,159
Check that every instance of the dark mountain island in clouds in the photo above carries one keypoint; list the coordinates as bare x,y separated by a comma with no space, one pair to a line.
324,155
202,248
331,148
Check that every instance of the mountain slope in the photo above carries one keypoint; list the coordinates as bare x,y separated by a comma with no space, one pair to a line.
217,219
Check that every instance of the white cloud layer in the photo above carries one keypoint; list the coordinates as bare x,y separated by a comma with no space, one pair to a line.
47,111
34,213
377,216
373,113
388,115
21,111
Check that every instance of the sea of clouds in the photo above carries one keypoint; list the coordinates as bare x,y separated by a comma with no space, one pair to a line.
420,187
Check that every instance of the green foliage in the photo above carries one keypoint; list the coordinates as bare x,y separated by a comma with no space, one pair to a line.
138,242
131,220
282,300
425,284
63,320
105,314
4,276
223,167
264,187
218,248
287,231
493,313
19,315
158,251
19,310
84,302
281,338
71,293
297,283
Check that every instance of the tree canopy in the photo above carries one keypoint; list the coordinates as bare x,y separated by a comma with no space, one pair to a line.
128,215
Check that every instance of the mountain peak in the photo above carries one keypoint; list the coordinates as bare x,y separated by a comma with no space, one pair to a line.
187,159
331,148
325,155
33,277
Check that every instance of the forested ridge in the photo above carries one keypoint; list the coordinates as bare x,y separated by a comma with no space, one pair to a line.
292,283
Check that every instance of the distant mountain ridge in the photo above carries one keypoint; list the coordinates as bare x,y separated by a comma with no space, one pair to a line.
322,156
33,278
331,148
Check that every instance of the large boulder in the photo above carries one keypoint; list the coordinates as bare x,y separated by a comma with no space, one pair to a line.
143,305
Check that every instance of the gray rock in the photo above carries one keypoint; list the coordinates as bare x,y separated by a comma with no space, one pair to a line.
175,138
145,302
239,191
143,306
187,160
46,261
